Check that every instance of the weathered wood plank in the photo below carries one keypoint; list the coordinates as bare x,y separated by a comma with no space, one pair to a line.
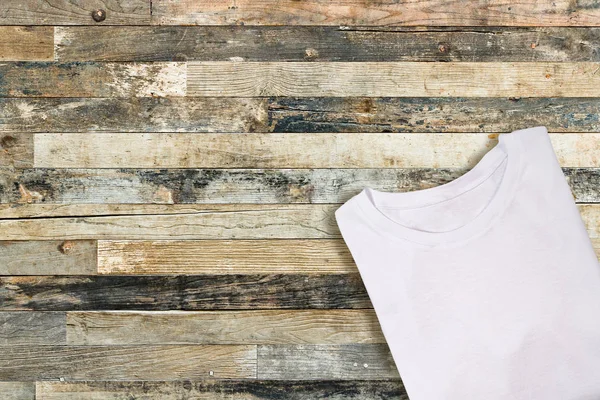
393,79
176,222
432,114
224,327
206,186
202,292
196,257
386,12
48,257
43,79
16,151
136,114
287,150
26,43
324,43
44,328
127,362
289,114
65,12
17,390
381,389
326,361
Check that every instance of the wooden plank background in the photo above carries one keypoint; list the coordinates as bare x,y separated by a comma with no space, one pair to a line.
169,176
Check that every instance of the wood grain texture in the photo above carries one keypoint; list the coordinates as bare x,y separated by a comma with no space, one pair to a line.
175,222
325,43
127,362
393,79
288,150
43,328
26,43
243,185
162,293
224,327
48,257
65,12
196,257
43,79
230,389
17,390
320,361
16,151
294,114
386,12
135,114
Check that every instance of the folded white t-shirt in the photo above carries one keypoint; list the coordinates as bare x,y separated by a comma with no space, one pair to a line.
486,287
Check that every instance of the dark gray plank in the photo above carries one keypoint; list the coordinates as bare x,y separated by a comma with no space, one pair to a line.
203,186
200,292
48,257
151,362
44,328
231,389
197,114
326,361
67,12
325,43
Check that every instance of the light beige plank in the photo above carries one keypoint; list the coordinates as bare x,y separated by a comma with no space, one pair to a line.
384,12
26,43
288,150
321,361
224,327
17,390
195,257
48,257
127,362
68,12
394,79
176,222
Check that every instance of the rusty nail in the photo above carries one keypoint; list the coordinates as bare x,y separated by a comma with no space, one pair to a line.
99,15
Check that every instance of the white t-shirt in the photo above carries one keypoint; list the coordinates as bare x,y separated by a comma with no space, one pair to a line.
486,287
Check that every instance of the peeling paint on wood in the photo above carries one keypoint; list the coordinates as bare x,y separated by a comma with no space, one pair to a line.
232,389
42,79
202,292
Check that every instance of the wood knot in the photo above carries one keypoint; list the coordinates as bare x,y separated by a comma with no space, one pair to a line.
8,141
67,246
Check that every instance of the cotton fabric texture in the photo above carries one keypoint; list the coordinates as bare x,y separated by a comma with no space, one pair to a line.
486,287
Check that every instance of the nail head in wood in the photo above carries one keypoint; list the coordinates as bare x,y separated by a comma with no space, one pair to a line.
99,15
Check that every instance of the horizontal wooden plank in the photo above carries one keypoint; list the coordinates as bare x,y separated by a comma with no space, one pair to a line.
385,12
196,257
224,327
66,12
16,151
127,362
324,43
293,114
26,43
17,390
202,292
331,361
210,186
48,257
176,222
32,328
44,79
288,150
393,79
381,389
136,114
